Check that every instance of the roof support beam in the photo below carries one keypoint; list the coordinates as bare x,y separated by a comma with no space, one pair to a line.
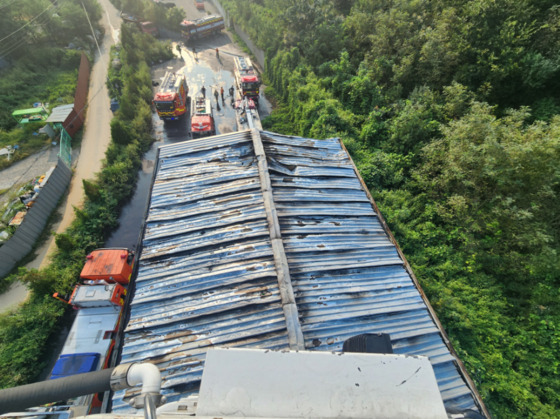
295,334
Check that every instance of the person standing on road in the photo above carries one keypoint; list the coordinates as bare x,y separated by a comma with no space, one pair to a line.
217,53
222,92
203,90
231,90
216,94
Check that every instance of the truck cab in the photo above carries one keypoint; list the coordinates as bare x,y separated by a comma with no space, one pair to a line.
202,120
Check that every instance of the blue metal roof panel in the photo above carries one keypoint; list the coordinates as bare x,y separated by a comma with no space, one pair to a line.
207,273
348,277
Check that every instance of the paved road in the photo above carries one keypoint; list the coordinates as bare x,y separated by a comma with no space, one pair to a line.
96,138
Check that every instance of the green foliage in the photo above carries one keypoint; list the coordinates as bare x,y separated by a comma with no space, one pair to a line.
91,190
420,92
120,131
27,139
544,109
6,282
415,123
380,169
23,336
280,119
477,43
65,241
499,181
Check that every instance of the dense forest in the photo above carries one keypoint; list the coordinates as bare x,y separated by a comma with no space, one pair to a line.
450,110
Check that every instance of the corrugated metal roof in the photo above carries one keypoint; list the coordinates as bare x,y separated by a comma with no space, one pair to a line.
60,113
212,261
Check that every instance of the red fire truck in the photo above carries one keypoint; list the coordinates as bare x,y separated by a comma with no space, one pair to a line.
202,121
247,80
199,28
171,99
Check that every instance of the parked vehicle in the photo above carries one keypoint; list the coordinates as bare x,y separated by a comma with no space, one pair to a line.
99,299
200,28
247,79
144,25
202,120
199,4
172,97
149,27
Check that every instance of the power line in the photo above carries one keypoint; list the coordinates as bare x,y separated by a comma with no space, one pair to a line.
27,24
92,31
13,44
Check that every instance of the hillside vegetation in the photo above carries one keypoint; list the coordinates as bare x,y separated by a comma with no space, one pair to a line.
450,111
41,43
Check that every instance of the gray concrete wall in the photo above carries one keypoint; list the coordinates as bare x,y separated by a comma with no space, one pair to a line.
21,243
257,52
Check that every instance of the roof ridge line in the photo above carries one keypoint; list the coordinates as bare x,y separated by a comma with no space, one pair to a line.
295,334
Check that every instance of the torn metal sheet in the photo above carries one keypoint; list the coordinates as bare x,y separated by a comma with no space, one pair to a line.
208,271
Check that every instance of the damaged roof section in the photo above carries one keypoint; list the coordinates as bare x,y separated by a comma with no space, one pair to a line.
347,275
206,274
255,239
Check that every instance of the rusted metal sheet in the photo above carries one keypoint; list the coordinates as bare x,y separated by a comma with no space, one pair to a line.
208,272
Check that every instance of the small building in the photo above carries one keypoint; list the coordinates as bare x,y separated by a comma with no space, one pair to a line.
61,117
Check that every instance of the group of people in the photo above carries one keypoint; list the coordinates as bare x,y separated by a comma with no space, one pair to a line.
216,94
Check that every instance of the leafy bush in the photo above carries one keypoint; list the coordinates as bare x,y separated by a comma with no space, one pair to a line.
421,98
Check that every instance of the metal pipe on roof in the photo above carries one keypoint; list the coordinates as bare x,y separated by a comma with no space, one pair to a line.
30,395
118,378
